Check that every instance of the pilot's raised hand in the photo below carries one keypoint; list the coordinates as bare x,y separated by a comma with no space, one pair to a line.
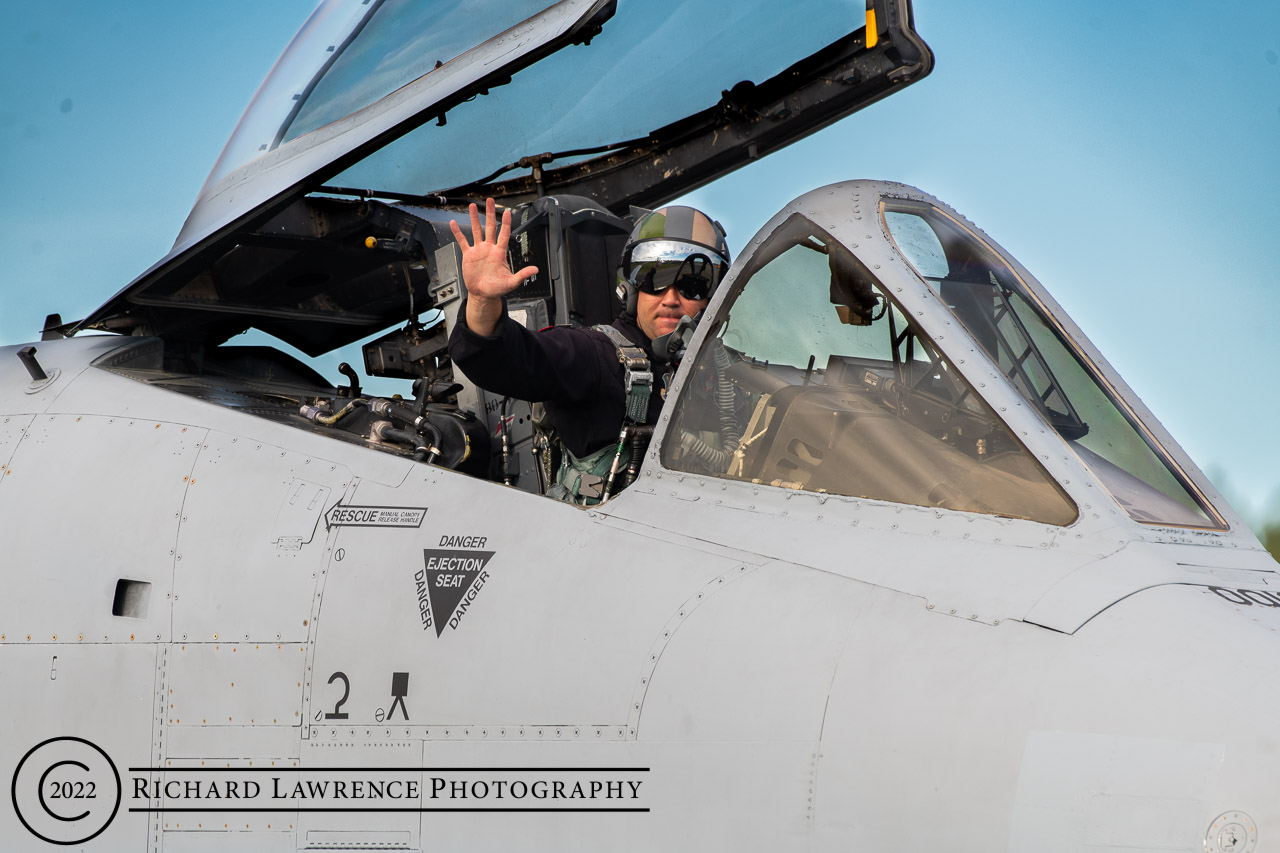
485,270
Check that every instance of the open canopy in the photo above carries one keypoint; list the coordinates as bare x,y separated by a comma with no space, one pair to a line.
419,103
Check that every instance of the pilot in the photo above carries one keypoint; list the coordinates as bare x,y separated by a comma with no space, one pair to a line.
598,385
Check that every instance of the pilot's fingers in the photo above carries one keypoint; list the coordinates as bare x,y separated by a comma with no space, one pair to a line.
490,220
476,233
458,235
504,233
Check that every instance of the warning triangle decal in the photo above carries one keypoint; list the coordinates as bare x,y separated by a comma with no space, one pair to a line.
451,577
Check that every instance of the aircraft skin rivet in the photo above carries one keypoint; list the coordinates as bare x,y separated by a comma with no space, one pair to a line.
953,611
928,607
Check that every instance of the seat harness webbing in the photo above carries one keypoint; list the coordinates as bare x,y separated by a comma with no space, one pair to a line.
590,480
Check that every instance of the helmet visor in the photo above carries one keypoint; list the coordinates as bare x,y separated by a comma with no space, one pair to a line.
693,270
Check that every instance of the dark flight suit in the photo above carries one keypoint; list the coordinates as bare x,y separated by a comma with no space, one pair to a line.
574,372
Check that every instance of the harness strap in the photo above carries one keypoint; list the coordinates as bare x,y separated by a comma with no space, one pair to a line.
637,374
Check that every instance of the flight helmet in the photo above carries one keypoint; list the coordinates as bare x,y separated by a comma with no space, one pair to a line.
673,246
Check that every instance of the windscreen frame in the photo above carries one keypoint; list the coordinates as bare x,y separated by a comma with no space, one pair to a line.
1053,502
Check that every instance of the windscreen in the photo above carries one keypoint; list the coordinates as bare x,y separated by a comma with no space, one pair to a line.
1016,331
814,379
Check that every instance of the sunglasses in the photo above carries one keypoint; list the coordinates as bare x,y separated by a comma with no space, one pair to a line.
692,270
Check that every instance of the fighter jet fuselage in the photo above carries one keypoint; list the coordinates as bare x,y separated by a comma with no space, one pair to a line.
905,563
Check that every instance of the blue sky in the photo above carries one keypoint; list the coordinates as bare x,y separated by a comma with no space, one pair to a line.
1125,152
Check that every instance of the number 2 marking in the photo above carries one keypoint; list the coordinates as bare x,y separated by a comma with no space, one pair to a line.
337,713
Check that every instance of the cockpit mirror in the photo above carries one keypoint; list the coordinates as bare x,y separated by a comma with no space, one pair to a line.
852,292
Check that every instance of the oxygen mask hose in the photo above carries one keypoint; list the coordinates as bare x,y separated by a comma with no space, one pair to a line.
714,460
730,431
